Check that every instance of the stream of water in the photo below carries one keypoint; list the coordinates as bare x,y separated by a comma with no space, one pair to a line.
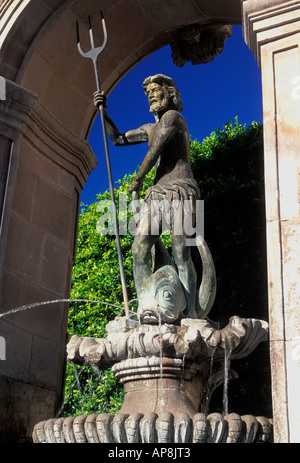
227,354
209,382
77,374
56,301
75,382
160,345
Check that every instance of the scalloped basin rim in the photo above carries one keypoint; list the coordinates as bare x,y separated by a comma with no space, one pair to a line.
195,339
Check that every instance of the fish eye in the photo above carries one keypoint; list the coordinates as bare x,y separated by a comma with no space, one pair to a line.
167,294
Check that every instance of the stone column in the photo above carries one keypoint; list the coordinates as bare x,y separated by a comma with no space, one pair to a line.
43,169
272,31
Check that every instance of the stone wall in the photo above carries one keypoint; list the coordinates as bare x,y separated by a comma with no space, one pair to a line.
272,30
46,170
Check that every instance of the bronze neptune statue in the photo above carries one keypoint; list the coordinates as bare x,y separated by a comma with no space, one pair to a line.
168,293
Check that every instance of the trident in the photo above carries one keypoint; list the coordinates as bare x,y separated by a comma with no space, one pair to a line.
93,54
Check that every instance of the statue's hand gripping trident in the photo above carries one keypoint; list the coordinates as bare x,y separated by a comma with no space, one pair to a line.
100,99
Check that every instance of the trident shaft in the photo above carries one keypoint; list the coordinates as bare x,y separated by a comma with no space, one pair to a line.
93,55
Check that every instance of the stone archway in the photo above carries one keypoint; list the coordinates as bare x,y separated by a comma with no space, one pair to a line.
44,123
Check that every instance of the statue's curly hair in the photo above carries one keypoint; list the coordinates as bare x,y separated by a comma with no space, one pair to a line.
169,85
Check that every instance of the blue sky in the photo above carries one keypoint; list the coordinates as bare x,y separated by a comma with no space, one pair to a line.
212,94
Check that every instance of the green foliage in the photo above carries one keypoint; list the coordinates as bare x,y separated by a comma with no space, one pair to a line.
96,277
89,391
228,166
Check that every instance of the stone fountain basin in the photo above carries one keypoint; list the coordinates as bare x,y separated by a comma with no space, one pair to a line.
169,368
193,339
166,374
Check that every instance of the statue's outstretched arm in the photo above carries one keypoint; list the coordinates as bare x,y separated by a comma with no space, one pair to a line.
131,137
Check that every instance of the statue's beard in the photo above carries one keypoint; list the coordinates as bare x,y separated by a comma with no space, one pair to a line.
159,106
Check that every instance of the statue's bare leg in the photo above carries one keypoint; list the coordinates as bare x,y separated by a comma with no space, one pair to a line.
141,252
186,273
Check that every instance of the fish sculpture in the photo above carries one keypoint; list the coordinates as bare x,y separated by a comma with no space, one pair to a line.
162,298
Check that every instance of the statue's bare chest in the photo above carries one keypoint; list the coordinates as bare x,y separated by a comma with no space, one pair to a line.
153,133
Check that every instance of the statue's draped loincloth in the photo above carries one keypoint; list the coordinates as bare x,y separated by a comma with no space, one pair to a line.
181,189
180,195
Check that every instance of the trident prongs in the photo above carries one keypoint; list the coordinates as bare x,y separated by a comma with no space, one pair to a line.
93,54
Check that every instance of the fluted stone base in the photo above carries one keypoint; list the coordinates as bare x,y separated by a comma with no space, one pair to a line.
157,385
153,428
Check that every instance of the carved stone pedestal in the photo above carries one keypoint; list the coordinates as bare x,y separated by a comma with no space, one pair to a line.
158,384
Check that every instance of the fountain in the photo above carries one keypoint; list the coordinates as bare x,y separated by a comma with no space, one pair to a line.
169,357
168,380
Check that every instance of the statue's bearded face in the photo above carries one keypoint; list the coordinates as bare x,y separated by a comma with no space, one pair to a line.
158,97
